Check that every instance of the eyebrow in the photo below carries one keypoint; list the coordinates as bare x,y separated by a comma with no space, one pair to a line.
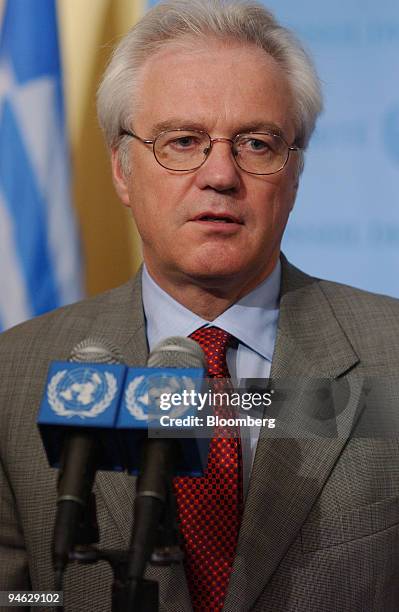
175,123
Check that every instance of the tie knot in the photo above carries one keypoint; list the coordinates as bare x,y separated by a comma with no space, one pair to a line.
214,342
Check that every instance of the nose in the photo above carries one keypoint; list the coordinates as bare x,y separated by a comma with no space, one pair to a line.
219,171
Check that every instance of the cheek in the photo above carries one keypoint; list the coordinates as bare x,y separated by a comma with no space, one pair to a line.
274,209
284,196
154,211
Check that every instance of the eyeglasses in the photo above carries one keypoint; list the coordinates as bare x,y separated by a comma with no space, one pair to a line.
182,150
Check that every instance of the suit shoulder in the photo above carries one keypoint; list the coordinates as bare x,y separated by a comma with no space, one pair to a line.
358,301
370,320
65,323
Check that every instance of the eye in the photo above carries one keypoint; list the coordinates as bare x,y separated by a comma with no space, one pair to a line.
182,143
258,145
254,145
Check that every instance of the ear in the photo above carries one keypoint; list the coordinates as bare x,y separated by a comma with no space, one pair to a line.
297,171
294,192
119,178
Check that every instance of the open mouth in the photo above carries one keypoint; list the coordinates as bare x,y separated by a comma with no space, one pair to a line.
207,217
216,219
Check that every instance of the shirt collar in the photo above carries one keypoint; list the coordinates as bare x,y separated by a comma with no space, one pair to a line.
252,320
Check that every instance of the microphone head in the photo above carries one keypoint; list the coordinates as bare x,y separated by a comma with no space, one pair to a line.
177,352
96,349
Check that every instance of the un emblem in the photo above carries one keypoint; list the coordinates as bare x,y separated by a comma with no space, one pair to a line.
143,394
84,392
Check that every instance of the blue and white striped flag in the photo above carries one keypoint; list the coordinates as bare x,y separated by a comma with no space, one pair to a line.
39,251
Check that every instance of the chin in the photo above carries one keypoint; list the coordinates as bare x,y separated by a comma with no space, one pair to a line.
216,271
220,259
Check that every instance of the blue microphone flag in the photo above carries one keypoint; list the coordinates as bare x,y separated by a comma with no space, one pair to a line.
143,414
84,395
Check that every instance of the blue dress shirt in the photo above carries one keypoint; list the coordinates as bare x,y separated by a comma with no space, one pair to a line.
252,320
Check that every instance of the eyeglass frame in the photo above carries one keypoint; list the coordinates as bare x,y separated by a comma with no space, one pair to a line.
152,142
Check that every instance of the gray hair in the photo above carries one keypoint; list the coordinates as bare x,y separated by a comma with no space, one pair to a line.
174,21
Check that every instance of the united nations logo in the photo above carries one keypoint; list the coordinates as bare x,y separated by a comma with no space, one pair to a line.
143,395
83,392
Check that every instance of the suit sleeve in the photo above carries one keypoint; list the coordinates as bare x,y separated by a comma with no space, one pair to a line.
14,569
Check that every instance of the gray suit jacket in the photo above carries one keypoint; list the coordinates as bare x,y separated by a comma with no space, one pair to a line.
320,530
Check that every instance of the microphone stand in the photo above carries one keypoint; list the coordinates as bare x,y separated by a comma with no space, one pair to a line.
148,592
154,515
155,536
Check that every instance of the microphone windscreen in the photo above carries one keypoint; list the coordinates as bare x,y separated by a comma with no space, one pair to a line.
177,352
96,349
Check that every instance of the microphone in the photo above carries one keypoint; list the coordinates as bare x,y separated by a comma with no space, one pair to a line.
81,395
174,357
175,366
177,352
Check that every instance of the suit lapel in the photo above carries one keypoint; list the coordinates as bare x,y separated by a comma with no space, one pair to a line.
293,461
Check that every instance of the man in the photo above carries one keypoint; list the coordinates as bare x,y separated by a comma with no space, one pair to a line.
207,108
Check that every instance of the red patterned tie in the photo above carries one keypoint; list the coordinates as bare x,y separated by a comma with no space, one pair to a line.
210,507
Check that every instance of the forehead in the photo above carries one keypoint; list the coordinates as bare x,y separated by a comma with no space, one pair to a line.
223,86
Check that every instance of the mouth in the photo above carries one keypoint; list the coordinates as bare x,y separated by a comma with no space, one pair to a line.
210,217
